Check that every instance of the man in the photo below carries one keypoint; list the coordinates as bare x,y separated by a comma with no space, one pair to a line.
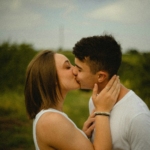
97,59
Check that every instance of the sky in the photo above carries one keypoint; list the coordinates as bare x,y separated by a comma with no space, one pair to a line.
51,24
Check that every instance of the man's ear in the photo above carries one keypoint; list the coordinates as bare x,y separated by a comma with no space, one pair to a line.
102,76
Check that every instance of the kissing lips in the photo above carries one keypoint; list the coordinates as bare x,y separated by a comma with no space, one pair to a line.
77,81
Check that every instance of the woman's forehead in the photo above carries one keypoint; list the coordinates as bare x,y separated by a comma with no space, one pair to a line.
60,56
60,59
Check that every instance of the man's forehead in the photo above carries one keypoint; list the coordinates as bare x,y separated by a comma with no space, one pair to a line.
82,64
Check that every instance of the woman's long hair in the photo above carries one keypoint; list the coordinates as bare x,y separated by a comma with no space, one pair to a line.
42,87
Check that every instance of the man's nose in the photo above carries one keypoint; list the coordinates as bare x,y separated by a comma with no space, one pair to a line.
74,70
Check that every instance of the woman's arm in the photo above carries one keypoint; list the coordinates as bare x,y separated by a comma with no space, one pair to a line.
103,103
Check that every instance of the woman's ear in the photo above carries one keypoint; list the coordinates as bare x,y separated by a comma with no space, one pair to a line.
102,76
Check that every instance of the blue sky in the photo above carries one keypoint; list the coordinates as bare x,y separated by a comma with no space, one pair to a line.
49,24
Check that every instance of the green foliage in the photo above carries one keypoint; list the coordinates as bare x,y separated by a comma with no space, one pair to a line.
15,128
13,62
76,106
135,73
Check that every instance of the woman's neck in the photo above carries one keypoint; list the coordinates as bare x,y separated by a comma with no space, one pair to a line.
59,106
60,103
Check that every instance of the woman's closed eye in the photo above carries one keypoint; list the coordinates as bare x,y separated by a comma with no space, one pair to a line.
68,67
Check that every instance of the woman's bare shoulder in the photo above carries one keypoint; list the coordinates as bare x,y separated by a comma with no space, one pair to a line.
51,119
57,131
51,126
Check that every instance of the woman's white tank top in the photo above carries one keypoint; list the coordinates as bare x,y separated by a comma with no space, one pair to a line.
40,114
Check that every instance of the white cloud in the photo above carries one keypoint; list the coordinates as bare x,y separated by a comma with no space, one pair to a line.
16,4
67,5
125,11
10,5
15,15
20,14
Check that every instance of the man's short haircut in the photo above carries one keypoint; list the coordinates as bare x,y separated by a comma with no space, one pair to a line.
100,53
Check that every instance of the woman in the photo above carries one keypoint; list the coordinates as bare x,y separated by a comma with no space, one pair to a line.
49,78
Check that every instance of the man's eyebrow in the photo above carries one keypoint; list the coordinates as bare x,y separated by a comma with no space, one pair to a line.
78,66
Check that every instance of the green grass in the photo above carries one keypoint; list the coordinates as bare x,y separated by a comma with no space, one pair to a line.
76,106
16,128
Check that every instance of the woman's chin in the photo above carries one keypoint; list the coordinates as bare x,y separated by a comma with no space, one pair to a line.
78,86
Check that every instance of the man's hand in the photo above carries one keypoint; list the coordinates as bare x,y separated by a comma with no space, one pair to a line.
89,125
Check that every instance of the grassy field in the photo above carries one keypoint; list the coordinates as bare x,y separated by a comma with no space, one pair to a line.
16,128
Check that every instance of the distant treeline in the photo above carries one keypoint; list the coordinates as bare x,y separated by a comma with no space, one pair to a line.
135,73
14,58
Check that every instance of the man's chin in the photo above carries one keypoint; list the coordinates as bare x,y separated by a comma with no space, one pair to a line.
78,83
84,88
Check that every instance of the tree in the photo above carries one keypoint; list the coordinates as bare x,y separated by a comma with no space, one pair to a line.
135,73
13,62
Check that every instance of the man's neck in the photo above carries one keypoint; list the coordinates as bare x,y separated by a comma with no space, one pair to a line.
123,92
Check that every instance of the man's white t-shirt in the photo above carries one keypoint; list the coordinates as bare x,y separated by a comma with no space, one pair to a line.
130,123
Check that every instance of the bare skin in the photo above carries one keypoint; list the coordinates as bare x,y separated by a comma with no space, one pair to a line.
55,132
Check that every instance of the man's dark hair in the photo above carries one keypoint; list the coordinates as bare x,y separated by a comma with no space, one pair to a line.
102,52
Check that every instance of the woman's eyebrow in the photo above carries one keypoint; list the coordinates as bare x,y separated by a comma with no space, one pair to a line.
66,62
